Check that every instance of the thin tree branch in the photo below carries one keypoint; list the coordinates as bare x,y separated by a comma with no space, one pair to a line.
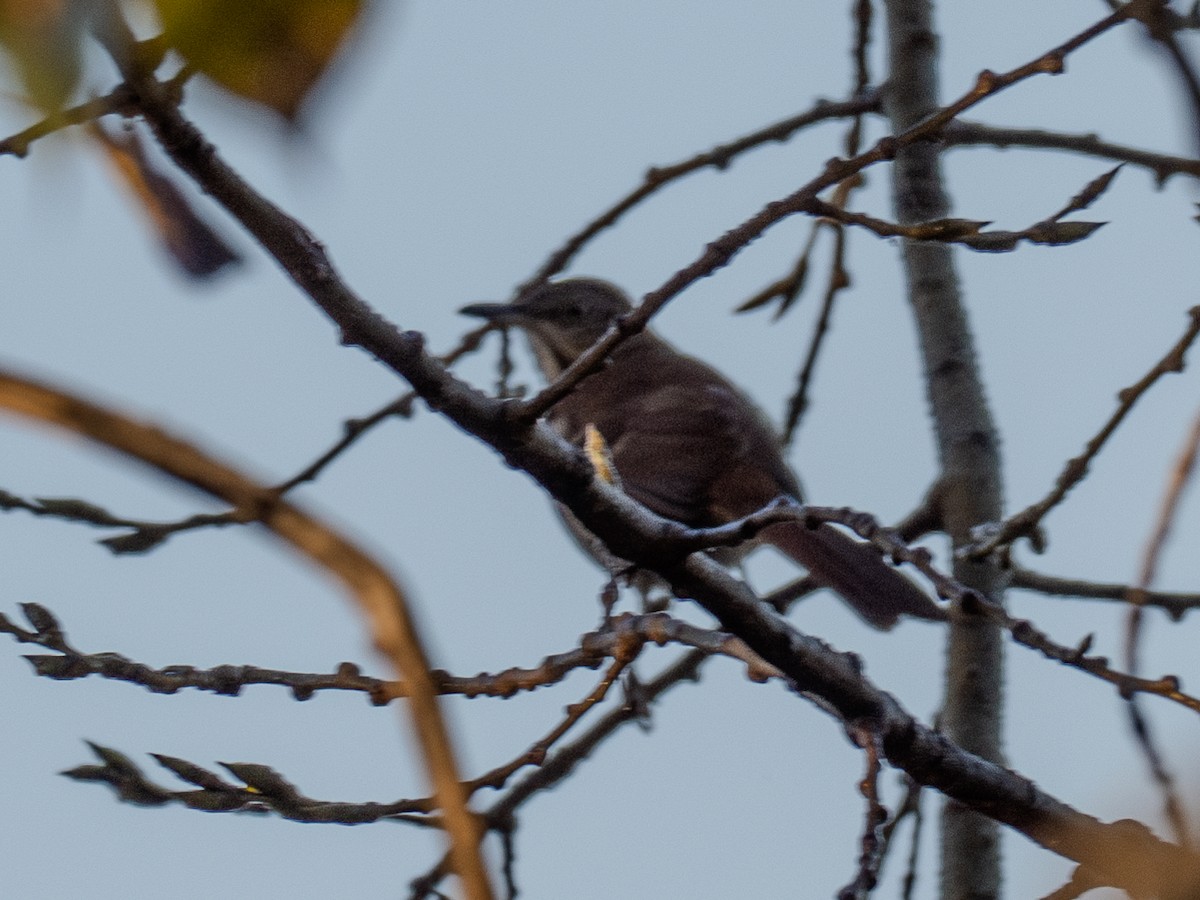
1161,24
1176,604
1025,523
501,816
1127,685
378,597
960,134
536,754
913,133
117,101
839,280
872,843
1180,476
262,791
966,232
911,806
623,635
265,790
719,157
143,536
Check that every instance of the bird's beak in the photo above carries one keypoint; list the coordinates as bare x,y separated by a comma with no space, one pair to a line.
499,313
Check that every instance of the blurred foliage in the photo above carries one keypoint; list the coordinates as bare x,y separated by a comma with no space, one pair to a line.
42,40
191,242
271,52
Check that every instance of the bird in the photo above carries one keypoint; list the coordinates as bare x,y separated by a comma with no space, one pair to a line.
686,443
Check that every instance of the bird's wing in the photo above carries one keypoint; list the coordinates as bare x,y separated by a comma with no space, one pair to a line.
678,442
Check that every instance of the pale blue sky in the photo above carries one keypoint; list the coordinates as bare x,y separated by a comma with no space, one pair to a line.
461,145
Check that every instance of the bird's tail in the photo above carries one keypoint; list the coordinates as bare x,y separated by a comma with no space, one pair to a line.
856,571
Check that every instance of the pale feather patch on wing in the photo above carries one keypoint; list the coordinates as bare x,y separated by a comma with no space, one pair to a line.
599,455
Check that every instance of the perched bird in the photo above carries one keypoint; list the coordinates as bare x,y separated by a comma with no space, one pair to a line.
688,444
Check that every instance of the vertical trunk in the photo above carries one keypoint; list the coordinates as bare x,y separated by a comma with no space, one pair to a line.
966,440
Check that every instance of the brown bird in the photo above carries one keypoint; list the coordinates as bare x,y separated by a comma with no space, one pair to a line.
687,444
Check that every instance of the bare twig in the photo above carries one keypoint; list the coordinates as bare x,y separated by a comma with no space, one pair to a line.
114,102
970,233
719,252
839,280
401,407
76,510
872,842
622,636
1025,523
380,600
1172,804
910,806
263,790
1176,604
1127,685
788,288
718,157
926,516
892,544
1163,166
1180,476
143,536
1161,23
536,754
501,815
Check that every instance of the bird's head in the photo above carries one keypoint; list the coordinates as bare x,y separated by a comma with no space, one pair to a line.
562,318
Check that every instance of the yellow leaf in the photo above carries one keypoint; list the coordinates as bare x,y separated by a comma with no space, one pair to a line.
269,51
42,41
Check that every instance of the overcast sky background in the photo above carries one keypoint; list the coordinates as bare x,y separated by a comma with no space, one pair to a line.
457,148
